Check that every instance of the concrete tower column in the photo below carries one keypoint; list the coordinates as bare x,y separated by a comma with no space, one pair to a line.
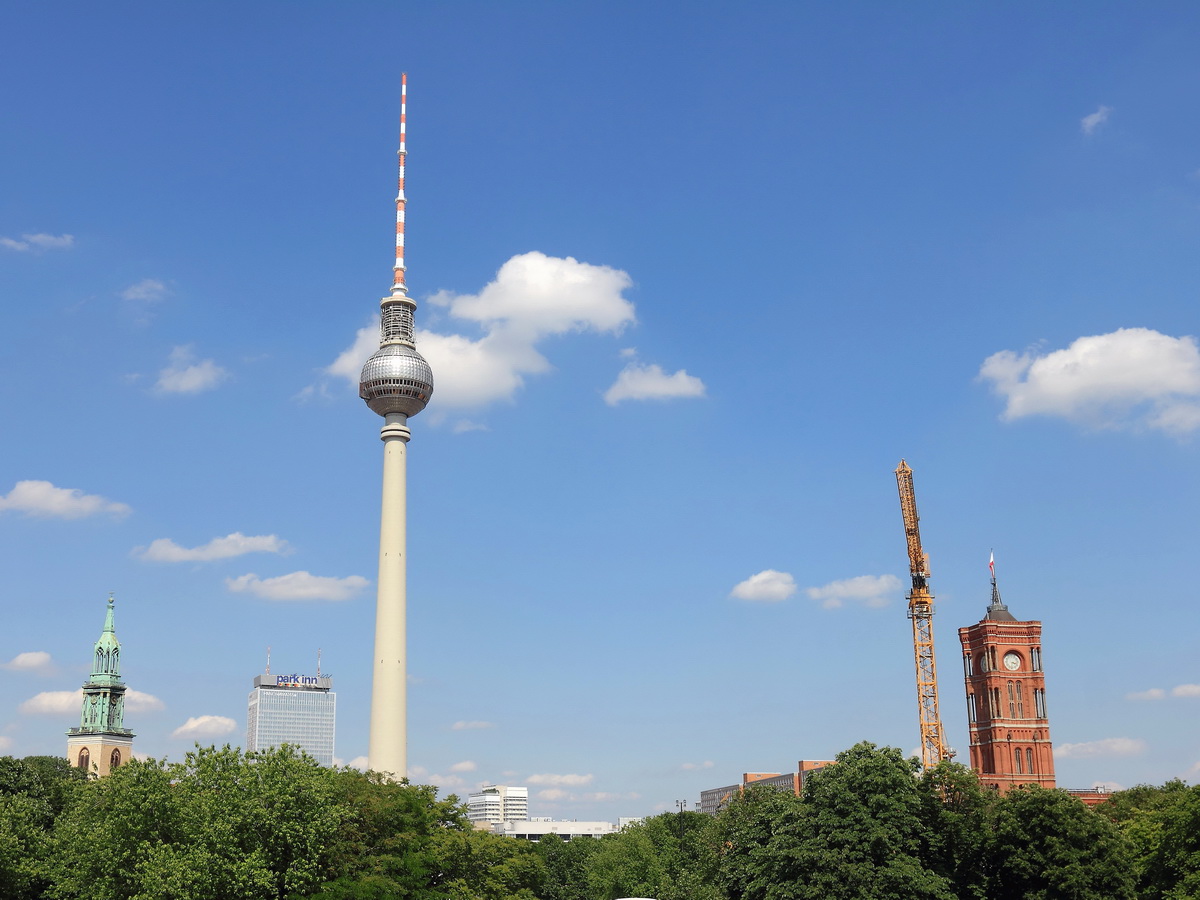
388,750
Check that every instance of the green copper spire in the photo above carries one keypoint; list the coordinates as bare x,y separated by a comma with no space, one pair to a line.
104,692
106,664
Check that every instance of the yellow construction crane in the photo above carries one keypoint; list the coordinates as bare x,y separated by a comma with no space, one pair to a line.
920,610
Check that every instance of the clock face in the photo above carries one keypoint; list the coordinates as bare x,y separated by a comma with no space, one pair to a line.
1012,662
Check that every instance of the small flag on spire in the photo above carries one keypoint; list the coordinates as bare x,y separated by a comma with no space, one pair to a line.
992,565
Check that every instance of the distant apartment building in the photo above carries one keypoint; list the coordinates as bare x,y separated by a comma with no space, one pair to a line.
498,803
716,799
292,709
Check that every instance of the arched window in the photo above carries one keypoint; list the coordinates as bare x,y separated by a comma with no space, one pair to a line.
1012,708
115,759
1029,759
1020,703
85,759
1017,757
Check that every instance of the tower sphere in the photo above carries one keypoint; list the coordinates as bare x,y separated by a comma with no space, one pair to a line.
396,379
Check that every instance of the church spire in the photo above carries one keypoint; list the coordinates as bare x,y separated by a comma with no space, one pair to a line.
102,742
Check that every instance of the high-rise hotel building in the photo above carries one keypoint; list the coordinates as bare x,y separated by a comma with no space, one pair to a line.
292,709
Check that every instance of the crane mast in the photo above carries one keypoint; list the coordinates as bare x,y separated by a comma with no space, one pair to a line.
920,611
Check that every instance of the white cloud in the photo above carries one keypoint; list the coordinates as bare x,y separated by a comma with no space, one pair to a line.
298,586
462,426
649,382
871,590
471,726
553,794
607,796
689,767
465,766
446,782
43,499
1186,690
236,544
768,585
53,703
1133,377
148,290
31,661
532,297
139,701
1106,747
184,375
1151,694
359,762
5,743
1089,123
205,726
1108,787
561,780
38,242
350,361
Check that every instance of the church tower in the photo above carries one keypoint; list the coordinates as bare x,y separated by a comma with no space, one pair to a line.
1006,698
102,742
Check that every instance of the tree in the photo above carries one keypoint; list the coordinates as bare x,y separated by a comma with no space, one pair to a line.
1139,813
857,834
566,866
1047,845
222,825
955,809
387,837
744,828
33,791
1172,867
101,839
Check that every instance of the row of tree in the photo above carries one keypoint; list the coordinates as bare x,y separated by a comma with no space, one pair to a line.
224,825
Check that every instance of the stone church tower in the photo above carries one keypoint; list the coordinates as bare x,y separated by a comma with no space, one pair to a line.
102,742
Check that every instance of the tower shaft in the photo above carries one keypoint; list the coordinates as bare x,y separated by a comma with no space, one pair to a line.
388,750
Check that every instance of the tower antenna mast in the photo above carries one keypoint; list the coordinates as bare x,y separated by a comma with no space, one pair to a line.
920,611
396,383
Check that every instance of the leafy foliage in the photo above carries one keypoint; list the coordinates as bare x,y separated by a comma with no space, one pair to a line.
224,825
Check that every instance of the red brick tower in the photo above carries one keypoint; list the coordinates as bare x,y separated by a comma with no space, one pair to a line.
1006,699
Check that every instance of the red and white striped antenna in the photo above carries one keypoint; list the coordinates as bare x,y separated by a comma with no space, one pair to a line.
398,277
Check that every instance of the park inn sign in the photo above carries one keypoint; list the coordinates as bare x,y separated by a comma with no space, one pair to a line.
311,682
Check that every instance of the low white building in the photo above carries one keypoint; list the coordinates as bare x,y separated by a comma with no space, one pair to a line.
536,829
498,803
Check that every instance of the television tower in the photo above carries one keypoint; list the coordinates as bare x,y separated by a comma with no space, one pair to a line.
396,383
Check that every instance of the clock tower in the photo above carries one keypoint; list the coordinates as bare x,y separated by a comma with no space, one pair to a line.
102,742
1006,699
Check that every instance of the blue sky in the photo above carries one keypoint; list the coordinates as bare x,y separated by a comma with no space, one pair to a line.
693,279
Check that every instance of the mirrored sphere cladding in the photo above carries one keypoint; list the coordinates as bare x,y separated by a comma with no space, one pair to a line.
396,379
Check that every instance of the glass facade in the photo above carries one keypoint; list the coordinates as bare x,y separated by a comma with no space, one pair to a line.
296,710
